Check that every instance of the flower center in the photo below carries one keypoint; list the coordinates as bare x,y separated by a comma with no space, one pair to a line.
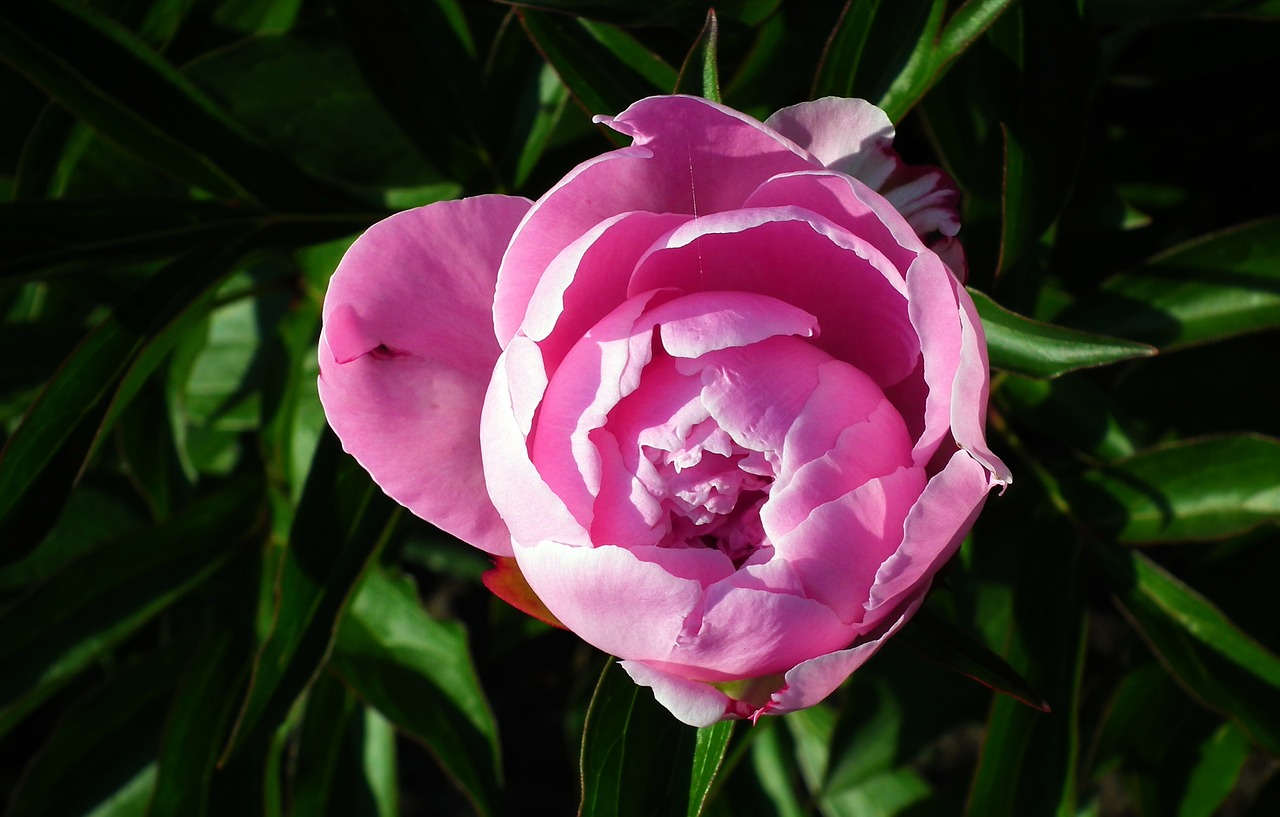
711,490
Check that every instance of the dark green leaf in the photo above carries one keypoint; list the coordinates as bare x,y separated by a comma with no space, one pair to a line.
92,604
342,520
331,778
1215,661
844,49
1028,347
663,12
701,62
1222,758
942,641
104,750
113,81
708,754
45,456
936,48
1190,490
1214,287
418,673
636,758
196,728
598,79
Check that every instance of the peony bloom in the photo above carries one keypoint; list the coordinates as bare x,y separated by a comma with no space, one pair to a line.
718,396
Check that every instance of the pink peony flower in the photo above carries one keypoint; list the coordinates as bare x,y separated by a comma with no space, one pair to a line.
720,394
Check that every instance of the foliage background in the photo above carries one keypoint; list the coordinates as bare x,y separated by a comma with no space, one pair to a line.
207,609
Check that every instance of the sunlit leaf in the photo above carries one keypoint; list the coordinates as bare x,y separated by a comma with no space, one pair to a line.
418,673
1028,347
1214,287
1191,490
341,522
636,757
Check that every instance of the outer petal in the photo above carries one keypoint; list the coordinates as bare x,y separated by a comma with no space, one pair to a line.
407,350
692,702
855,137
690,156
933,530
808,683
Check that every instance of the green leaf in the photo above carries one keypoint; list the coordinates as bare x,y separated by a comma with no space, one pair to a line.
936,48
79,614
1214,660
1190,490
342,521
196,728
103,752
708,755
598,78
48,451
418,673
944,642
337,735
636,758
1222,758
1214,287
1024,346
702,56
838,68
661,12
124,90
42,234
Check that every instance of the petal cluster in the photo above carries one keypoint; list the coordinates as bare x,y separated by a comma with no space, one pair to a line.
720,394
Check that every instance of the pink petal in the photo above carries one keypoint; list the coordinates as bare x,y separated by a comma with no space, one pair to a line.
855,137
531,510
840,545
612,599
801,259
934,529
407,350
932,302
969,398
709,321
812,681
589,278
692,702
690,156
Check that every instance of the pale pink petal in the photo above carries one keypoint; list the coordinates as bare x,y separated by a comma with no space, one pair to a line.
589,278
613,600
704,322
840,545
690,156
932,302
746,631
406,353
808,683
531,510
848,135
933,531
848,203
969,398
692,702
855,137
802,259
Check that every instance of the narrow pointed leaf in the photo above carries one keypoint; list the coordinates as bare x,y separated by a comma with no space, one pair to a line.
341,522
124,90
700,74
939,640
708,755
1192,490
1028,347
636,758
418,673
114,732
936,49
1214,287
1211,658
54,632
597,78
